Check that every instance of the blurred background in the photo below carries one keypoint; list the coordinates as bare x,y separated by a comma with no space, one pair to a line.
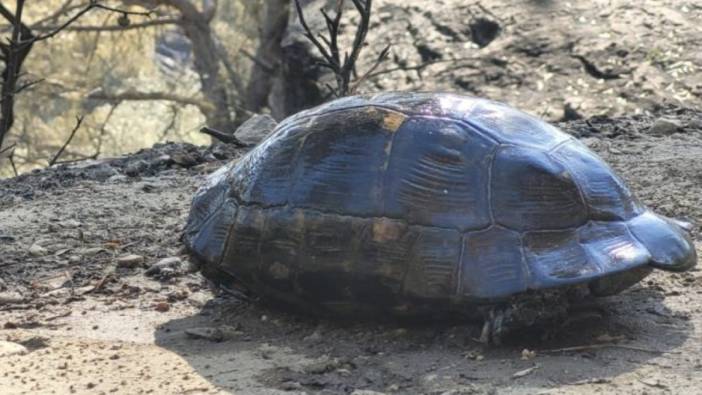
141,80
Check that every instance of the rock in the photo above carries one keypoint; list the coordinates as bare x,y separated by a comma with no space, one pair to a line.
172,262
101,172
10,298
255,129
212,334
184,159
70,224
162,307
665,126
117,179
91,251
130,261
37,250
135,168
314,336
9,348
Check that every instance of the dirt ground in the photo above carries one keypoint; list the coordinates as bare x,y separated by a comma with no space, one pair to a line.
97,296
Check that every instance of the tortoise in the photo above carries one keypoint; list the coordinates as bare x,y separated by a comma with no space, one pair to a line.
404,204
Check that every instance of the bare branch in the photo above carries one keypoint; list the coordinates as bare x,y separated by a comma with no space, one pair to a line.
9,147
11,158
132,95
381,58
310,36
79,121
329,48
28,84
223,137
92,5
116,28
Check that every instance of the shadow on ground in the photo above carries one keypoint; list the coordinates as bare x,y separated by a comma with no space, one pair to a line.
268,351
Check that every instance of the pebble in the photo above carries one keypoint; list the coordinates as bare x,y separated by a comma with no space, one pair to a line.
37,250
665,126
10,298
172,262
9,348
70,224
130,260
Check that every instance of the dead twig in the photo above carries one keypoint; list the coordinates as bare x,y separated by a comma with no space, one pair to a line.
11,158
93,4
606,345
223,137
79,121
9,147
328,46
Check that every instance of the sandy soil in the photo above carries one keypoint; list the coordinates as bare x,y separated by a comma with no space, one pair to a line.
93,321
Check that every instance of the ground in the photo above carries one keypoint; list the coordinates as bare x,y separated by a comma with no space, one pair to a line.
97,295
77,294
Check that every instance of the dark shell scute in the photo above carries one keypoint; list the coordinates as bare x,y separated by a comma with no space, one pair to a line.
208,199
557,258
340,165
612,246
437,175
433,263
384,249
263,176
530,191
210,242
244,245
492,264
606,195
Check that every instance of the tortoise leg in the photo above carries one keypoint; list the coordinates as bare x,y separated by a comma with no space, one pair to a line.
495,325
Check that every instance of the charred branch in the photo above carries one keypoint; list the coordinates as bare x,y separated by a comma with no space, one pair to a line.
131,95
328,46
223,137
79,121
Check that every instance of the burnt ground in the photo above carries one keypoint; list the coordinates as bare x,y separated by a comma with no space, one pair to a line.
80,294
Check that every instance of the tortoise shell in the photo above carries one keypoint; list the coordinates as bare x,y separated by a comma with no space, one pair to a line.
389,201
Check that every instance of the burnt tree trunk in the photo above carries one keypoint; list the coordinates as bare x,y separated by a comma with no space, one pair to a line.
285,78
196,26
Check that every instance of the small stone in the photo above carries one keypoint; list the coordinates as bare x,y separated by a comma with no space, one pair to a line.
70,224
211,334
135,168
117,179
528,354
10,298
665,126
100,172
162,307
172,262
37,250
130,261
92,251
184,159
255,129
9,348
314,336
